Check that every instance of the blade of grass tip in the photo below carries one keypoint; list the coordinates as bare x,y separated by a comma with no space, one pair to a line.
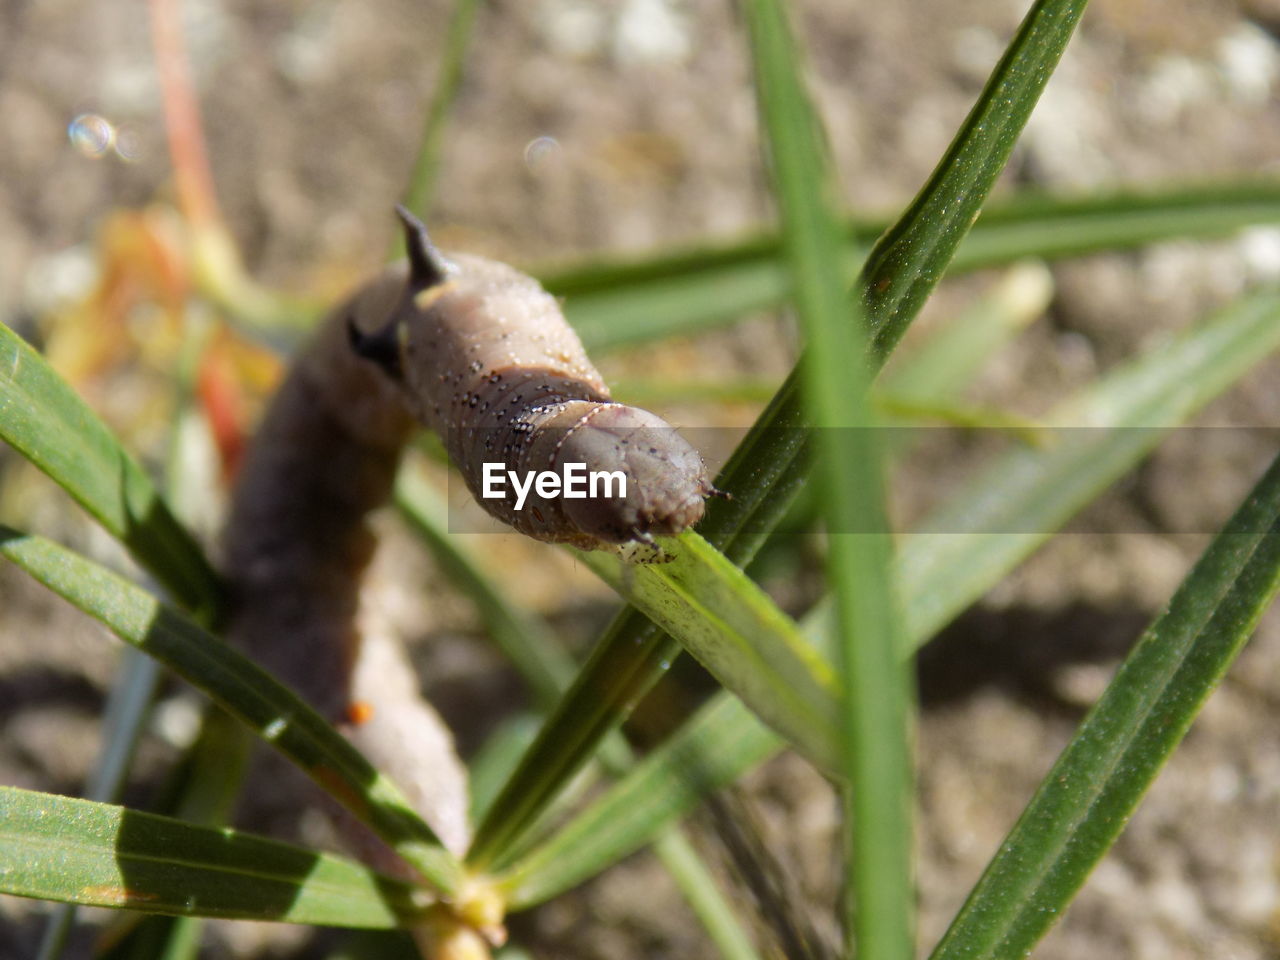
762,476
422,181
907,262
44,420
738,633
98,854
1086,800
879,907
244,689
724,740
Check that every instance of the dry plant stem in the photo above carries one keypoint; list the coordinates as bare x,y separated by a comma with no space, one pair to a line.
191,169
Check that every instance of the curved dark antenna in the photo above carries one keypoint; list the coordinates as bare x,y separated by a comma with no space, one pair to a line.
427,267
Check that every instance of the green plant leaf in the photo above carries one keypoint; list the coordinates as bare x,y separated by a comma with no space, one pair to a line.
98,854
529,644
1085,801
244,689
612,302
715,748
762,475
732,627
998,518
875,751
42,418
1169,383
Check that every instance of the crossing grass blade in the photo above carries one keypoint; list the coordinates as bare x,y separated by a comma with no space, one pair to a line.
874,725
252,695
1002,515
1084,802
724,740
769,466
102,855
613,302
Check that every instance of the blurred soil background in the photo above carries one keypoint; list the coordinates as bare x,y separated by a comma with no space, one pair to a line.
622,126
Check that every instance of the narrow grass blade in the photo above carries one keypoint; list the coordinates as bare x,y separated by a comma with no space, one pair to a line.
701,892
97,854
1087,798
269,708
42,418
613,302
548,670
422,181
126,711
731,626
906,263
762,476
1170,383
1005,513
875,754
724,740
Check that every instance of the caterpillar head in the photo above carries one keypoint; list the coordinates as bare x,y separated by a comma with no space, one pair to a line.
666,481
483,354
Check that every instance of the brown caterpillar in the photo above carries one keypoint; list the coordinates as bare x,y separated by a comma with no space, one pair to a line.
484,356
481,353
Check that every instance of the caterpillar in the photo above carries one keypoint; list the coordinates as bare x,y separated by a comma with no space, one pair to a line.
481,353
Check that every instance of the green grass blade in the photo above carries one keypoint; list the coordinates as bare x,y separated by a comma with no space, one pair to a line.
128,705
701,892
244,689
714,749
613,302
1087,798
875,753
1048,226
762,475
1171,383
97,854
1002,515
422,181
528,642
42,418
907,261
732,627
